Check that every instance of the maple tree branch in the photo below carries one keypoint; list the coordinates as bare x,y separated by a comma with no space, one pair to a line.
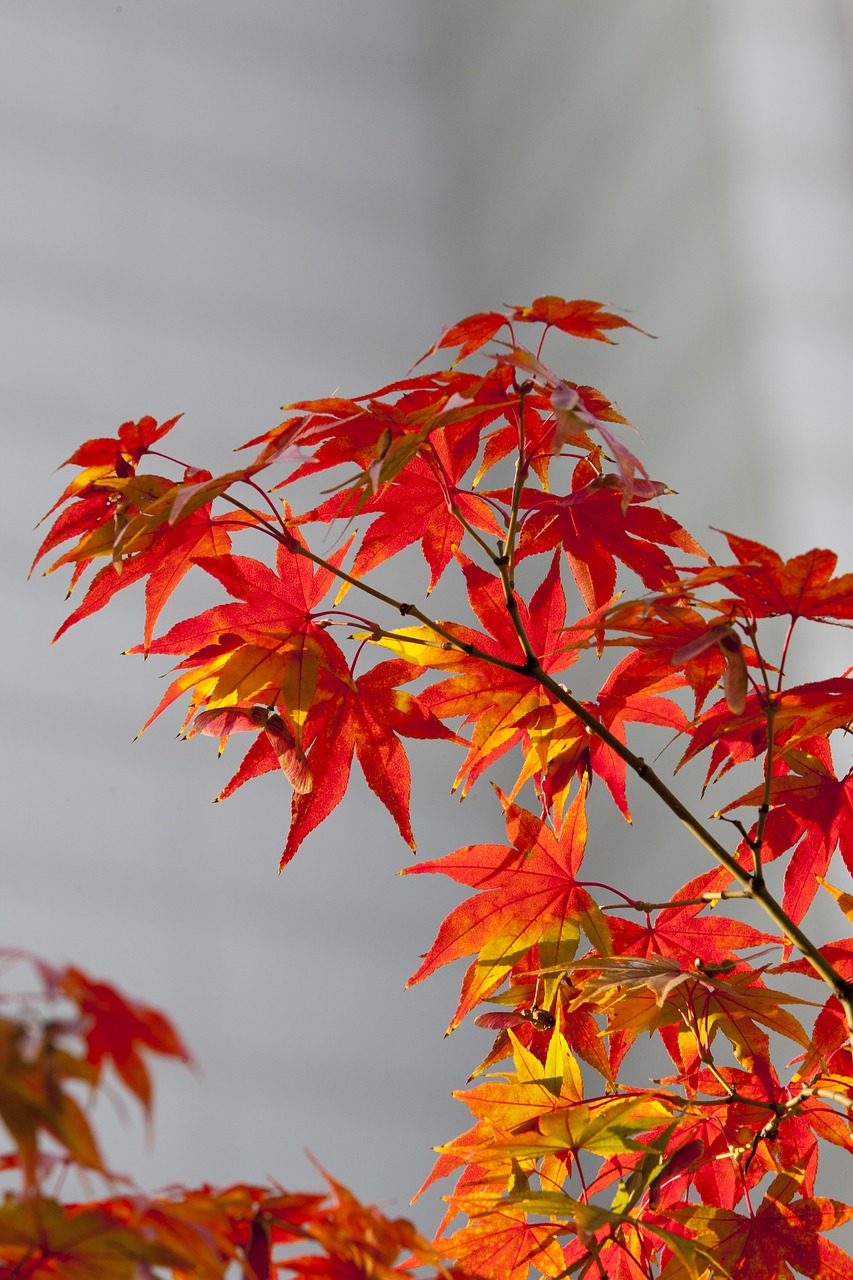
782,1110
841,988
829,1095
532,662
707,899
738,825
788,637
462,646
123,515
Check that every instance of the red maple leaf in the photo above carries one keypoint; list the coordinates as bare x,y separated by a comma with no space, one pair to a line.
118,1030
559,747
364,717
802,712
469,334
133,441
164,564
505,1244
380,436
813,810
109,456
528,896
423,504
497,700
580,317
690,932
668,632
802,587
590,526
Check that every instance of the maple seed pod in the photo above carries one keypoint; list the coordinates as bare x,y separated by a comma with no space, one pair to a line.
293,761
539,1019
682,1160
735,680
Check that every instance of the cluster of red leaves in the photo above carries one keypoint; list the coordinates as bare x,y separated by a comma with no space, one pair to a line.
689,1156
57,1041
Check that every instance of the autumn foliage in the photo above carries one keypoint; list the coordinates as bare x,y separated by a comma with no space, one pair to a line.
574,1164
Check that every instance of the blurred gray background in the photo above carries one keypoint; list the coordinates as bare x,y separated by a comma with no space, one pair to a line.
216,208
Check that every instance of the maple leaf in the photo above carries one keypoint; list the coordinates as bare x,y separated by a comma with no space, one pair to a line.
425,504
580,317
831,1034
558,745
469,335
43,1239
149,526
359,1242
772,1124
540,431
572,420
690,932
133,441
801,712
593,531
668,632
528,896
768,1243
813,807
269,649
164,564
106,456
32,1097
498,701
505,1105
648,993
118,1030
769,586
516,1102
604,1127
503,1243
347,716
118,514
382,437
363,717
266,643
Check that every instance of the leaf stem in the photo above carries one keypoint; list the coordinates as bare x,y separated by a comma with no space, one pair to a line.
764,807
521,467
495,557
